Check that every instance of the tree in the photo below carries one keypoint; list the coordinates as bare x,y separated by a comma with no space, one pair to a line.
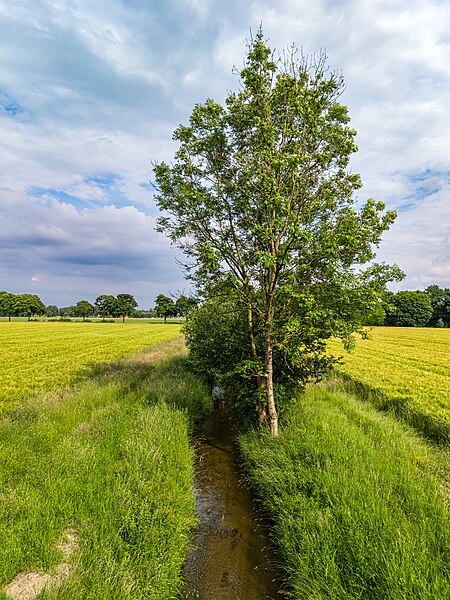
126,305
52,310
184,304
28,305
6,304
105,305
260,199
164,307
84,309
411,309
440,303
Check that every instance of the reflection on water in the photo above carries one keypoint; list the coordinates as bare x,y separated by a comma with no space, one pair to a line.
230,559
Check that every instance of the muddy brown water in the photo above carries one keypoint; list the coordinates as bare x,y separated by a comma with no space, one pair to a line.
230,559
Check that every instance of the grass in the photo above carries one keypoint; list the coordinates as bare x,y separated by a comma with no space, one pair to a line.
111,460
356,501
405,370
38,356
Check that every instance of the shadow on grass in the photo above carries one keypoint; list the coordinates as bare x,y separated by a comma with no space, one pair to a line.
432,427
161,374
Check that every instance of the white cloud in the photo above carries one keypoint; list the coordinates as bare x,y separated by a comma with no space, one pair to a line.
100,87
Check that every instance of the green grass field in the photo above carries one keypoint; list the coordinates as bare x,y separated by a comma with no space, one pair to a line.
96,481
45,356
357,501
408,369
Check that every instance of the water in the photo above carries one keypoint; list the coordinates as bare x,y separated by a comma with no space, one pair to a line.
230,559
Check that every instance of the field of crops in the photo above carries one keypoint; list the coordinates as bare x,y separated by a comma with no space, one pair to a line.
38,357
410,366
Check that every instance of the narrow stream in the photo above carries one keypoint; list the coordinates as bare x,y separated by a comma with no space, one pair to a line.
230,558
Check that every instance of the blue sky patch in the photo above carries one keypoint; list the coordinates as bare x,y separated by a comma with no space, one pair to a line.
11,107
108,183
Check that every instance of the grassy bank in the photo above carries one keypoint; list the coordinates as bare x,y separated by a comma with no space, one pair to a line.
106,466
356,501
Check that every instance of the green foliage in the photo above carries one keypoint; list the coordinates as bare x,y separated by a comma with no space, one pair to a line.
260,199
356,502
440,303
7,301
184,304
52,310
106,306
126,305
28,305
164,307
411,309
83,308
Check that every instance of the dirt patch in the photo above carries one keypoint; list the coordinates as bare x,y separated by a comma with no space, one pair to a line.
27,586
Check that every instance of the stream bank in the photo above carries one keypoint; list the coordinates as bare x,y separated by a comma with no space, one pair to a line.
230,559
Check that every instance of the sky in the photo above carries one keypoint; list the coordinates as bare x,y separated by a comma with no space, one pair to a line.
91,92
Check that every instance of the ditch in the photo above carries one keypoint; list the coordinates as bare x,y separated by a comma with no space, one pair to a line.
230,558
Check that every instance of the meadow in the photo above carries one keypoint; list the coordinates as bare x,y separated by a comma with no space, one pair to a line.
406,370
96,480
44,356
356,500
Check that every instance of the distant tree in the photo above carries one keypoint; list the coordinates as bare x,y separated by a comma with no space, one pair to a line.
6,304
184,304
105,306
126,306
83,309
165,307
411,309
52,310
440,302
28,305
144,314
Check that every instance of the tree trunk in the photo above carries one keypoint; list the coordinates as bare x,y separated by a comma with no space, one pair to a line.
262,414
270,399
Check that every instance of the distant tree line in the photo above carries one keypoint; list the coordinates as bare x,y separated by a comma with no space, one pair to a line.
21,305
429,308
105,306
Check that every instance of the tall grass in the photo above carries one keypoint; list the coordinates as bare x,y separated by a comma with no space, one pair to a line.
110,459
356,501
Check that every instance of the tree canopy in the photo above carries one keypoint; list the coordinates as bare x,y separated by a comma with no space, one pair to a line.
164,307
7,304
126,305
410,309
106,306
83,309
28,305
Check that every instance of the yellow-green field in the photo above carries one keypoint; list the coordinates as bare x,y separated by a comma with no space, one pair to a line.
407,365
37,357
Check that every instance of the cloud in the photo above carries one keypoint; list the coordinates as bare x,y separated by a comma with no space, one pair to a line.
91,92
